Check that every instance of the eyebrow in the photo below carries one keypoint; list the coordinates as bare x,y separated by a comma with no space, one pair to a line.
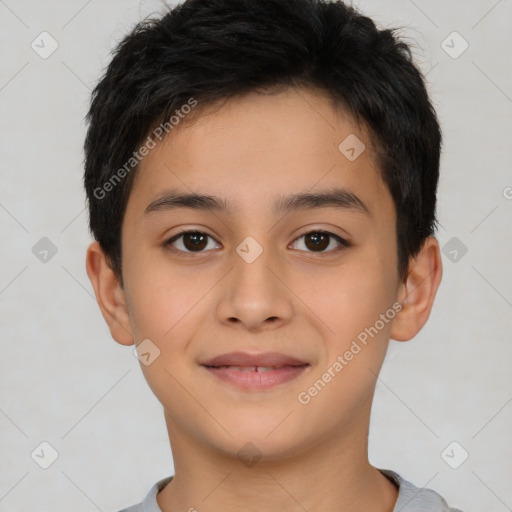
333,198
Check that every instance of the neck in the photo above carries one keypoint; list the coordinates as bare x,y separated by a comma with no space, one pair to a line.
331,476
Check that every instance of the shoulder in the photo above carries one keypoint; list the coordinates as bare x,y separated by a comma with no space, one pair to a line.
149,504
415,499
410,497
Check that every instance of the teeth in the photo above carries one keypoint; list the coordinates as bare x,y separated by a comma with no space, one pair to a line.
242,368
251,368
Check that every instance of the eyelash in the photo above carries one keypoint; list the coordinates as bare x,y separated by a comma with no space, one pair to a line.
344,244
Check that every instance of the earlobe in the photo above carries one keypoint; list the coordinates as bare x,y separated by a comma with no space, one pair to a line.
418,292
109,294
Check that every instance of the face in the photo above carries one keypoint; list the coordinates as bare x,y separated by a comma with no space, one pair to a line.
264,270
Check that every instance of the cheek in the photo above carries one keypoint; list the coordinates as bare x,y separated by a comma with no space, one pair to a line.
164,310
164,297
352,297
354,353
168,307
359,312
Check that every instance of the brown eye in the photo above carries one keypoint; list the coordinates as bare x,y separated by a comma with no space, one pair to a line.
190,241
195,241
319,241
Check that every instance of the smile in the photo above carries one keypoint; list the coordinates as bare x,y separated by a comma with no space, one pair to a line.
256,377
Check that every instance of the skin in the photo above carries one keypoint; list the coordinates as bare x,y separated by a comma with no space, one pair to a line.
291,299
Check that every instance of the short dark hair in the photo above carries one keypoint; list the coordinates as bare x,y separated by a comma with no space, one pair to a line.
210,50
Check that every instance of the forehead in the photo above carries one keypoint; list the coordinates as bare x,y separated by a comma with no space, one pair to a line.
259,147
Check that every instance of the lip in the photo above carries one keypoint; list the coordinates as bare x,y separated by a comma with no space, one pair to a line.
255,380
241,369
266,359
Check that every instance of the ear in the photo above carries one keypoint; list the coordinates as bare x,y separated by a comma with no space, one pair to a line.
418,292
109,294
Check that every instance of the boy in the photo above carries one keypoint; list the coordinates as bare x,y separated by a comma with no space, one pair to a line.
261,178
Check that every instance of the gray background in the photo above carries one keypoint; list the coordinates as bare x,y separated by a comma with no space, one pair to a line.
66,382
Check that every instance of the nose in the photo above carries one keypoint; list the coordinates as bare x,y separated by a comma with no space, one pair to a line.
254,296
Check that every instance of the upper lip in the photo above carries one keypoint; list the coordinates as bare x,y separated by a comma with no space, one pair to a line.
265,359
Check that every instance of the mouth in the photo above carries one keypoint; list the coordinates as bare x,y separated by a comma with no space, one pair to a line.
252,368
255,371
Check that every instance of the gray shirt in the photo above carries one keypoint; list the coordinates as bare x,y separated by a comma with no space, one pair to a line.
410,498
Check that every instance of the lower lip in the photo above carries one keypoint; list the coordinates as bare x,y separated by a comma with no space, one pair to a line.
257,380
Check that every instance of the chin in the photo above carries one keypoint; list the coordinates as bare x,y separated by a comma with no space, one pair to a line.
268,440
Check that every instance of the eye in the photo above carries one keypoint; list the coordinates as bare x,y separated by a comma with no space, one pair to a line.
314,241
190,241
319,241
